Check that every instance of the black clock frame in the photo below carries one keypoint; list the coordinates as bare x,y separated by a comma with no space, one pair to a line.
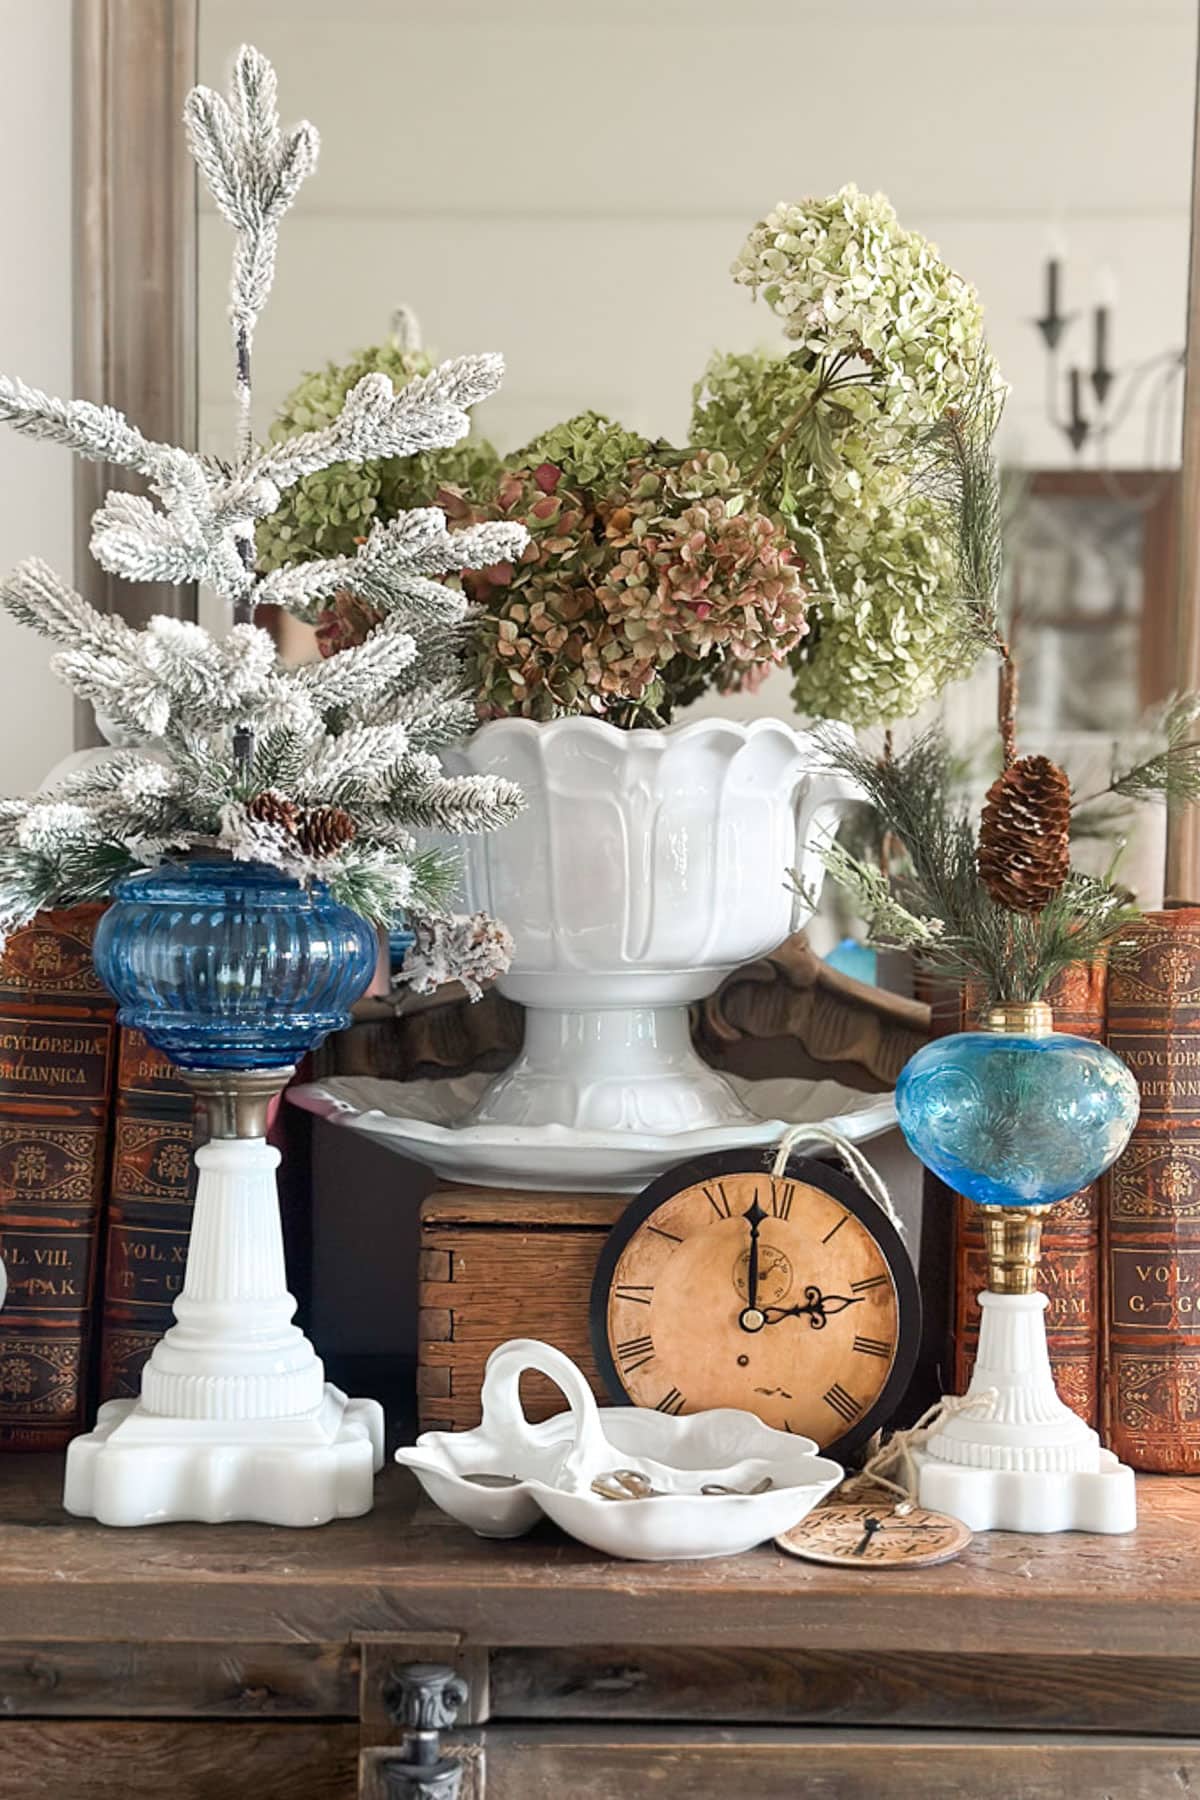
816,1173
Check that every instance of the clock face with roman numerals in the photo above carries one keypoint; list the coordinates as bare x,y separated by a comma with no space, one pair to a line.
791,1297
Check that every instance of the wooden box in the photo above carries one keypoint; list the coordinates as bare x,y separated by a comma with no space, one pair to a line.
499,1264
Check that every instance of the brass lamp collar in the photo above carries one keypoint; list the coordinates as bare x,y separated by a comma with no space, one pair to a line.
237,1101
1013,1235
1021,1018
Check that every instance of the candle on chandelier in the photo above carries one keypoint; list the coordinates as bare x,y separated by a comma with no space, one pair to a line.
1100,341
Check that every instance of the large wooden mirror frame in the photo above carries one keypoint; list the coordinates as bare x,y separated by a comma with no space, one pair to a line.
135,301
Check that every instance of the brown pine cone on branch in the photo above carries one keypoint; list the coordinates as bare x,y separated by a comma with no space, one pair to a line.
1024,835
270,808
324,830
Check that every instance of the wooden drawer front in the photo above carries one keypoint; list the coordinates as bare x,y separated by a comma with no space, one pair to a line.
556,1763
1016,1693
211,1681
126,1760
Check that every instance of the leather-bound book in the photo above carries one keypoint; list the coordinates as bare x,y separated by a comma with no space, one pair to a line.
1071,1254
151,1188
57,1032
1152,1203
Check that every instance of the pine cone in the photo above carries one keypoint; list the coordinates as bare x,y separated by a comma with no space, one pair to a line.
270,808
1024,835
324,830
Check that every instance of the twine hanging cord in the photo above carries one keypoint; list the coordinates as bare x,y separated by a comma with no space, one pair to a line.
852,1157
891,1466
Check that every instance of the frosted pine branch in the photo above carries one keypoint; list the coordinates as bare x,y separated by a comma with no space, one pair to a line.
460,803
468,948
132,538
355,677
216,722
348,768
377,422
35,596
391,568
253,171
99,433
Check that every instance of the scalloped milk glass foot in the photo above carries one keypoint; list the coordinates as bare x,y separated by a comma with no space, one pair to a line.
1017,1117
646,866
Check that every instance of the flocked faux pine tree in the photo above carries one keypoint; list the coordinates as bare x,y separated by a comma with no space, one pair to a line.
323,771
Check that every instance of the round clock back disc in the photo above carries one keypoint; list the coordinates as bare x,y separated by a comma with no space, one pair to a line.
792,1297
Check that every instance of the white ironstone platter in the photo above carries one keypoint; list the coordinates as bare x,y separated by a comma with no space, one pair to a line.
430,1121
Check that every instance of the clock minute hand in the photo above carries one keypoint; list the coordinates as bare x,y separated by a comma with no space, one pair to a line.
751,1317
818,1308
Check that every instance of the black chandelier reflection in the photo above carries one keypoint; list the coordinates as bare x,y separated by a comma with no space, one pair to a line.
1089,418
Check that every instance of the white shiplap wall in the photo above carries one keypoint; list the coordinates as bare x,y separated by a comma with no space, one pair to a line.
568,183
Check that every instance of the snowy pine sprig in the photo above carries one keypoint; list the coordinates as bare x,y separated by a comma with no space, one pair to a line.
327,771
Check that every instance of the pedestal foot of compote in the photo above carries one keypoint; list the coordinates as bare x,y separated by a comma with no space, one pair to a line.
629,1068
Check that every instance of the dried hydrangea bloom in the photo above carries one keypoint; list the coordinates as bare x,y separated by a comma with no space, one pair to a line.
701,572
845,277
884,607
620,597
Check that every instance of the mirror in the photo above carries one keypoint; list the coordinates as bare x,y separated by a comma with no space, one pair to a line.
570,184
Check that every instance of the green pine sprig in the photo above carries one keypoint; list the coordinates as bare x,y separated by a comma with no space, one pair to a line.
941,909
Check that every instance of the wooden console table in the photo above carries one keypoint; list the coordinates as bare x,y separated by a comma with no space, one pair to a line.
250,1663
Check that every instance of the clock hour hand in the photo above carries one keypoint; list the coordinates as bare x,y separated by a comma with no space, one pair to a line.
870,1527
817,1308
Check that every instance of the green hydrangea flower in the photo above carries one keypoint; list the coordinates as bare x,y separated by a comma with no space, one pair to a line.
886,623
590,449
845,277
326,513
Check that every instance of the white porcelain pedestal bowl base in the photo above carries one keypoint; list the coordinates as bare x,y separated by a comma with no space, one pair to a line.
646,867
236,1419
1021,1460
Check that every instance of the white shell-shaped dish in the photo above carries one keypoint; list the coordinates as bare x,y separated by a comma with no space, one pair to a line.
658,1530
679,1454
430,1121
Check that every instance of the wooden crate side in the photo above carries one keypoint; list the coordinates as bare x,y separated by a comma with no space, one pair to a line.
482,1282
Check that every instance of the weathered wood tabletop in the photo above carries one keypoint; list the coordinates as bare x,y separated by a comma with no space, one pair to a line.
222,1662
407,1568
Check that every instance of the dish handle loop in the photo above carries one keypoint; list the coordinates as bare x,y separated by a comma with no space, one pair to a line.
504,1417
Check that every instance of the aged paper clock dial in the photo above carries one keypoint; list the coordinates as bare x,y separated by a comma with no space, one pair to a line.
876,1535
790,1297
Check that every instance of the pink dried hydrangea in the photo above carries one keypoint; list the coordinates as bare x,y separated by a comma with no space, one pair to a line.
701,573
624,602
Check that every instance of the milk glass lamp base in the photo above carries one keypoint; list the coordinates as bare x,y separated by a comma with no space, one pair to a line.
1019,1460
139,1468
235,1419
1036,1500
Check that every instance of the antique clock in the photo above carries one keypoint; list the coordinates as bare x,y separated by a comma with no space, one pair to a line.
790,1296
876,1535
